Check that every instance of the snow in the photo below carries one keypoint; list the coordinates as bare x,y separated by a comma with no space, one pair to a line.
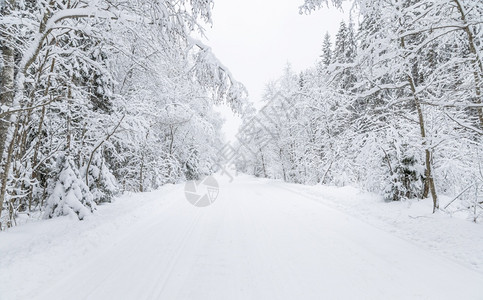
455,237
261,239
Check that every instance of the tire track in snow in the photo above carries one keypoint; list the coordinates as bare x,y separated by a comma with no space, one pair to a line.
179,250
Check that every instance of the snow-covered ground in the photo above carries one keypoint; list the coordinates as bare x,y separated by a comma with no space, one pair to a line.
261,239
455,237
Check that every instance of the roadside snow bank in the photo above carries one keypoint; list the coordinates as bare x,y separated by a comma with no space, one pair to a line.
452,236
50,247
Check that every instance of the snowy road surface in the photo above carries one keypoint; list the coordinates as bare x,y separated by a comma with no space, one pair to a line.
259,240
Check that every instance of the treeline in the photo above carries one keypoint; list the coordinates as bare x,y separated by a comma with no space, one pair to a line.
394,106
100,97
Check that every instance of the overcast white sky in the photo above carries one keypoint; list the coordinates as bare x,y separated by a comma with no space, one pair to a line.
256,38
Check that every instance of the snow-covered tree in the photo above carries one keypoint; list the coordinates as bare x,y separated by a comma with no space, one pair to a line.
397,109
326,50
69,195
119,85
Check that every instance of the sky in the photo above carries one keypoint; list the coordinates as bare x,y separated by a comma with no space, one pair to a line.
256,39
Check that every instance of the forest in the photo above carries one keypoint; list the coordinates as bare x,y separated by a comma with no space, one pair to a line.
394,106
102,97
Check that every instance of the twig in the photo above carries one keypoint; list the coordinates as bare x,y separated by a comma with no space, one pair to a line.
99,145
458,195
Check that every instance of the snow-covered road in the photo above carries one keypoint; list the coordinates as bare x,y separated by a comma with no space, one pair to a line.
259,240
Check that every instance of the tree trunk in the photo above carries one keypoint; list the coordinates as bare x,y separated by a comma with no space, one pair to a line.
429,180
7,94
7,91
263,165
6,167
39,135
141,179
283,165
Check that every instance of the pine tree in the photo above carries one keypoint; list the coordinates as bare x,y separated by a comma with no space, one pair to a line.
326,50
339,55
69,194
344,54
350,43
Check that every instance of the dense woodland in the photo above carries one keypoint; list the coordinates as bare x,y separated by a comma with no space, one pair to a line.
99,97
394,105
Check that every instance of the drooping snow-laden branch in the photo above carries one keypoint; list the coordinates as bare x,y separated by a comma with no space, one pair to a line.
210,69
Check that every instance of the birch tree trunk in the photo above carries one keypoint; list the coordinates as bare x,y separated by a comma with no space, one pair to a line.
7,93
7,79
